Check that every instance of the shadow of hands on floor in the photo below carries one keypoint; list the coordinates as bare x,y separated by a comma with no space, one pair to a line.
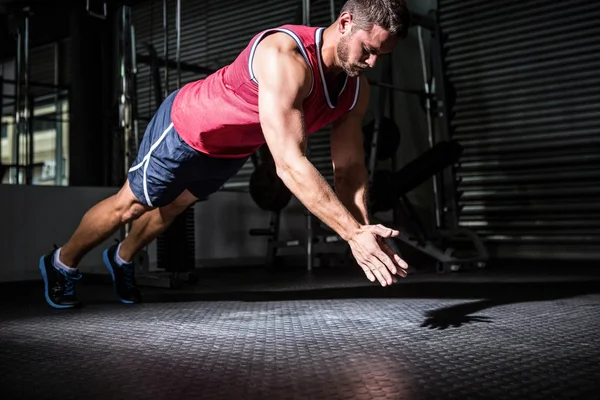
457,315
504,293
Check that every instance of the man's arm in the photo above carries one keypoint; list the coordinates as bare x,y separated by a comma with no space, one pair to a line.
284,81
351,178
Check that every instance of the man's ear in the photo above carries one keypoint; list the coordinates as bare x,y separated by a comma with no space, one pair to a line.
345,22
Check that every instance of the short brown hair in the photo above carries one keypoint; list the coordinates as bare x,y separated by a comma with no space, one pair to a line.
391,15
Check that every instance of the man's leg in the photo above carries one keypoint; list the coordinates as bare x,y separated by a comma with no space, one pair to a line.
118,258
203,175
146,228
59,268
154,180
99,223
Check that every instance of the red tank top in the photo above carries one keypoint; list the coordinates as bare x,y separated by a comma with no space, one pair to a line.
218,115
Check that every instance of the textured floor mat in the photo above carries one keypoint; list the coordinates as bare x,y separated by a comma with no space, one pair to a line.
305,349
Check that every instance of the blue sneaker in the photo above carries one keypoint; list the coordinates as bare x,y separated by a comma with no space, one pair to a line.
59,285
123,277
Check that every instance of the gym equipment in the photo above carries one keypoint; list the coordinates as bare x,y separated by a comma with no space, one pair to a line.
388,140
434,160
267,190
153,61
389,189
272,234
390,192
270,194
127,102
388,186
176,251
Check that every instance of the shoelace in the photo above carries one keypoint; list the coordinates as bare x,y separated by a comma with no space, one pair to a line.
128,272
70,282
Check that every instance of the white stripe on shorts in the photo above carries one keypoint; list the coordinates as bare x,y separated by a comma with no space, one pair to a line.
146,160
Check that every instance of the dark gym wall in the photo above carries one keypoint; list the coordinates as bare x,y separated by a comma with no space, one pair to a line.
528,95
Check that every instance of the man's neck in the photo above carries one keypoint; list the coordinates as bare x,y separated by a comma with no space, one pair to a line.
328,53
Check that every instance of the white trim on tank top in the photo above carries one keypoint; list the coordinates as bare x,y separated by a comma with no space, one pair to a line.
356,90
298,42
318,37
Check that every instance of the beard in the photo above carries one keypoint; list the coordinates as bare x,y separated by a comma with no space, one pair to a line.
343,53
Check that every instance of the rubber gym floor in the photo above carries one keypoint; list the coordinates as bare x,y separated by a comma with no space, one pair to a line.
246,333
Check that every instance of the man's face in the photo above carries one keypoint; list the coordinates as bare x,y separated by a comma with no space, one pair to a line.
358,49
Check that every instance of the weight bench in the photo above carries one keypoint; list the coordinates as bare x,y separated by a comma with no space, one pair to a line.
389,192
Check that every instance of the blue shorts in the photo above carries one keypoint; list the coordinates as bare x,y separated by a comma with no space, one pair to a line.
165,165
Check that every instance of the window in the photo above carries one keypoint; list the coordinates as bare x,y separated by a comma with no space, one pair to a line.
50,130
50,146
49,121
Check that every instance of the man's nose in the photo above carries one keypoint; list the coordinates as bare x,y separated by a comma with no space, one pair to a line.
372,60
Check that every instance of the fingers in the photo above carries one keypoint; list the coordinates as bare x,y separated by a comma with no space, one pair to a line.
382,231
396,258
375,271
382,274
387,261
380,270
400,262
378,261
382,265
388,265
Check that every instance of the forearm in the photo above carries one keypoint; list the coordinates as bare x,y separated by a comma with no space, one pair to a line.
309,186
352,190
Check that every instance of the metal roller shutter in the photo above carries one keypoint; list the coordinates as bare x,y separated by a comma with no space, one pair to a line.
527,112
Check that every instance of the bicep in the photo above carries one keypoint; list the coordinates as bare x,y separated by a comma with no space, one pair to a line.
281,89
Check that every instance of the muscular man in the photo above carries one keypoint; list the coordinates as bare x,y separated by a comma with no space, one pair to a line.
288,82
